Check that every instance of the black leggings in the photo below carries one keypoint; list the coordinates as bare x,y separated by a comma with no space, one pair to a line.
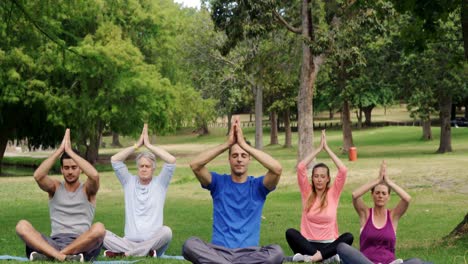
300,244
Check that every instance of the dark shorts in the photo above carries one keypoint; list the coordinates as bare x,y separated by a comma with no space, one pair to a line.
60,241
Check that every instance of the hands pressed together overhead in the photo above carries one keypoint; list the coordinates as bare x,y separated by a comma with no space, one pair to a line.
236,136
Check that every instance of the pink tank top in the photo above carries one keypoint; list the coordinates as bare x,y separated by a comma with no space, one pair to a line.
378,245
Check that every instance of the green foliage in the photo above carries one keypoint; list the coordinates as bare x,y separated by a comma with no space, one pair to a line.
435,71
424,19
93,66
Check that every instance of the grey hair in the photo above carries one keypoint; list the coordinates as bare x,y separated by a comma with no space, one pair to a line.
148,155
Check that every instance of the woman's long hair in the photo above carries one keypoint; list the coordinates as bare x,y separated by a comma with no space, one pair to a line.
313,194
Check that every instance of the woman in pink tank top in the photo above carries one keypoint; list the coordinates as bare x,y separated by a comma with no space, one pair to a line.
378,224
318,238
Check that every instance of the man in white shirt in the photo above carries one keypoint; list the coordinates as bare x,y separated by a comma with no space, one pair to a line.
145,194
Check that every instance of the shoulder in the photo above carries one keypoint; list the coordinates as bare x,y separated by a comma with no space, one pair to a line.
118,164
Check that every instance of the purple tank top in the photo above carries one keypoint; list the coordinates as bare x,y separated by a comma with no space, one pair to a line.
378,245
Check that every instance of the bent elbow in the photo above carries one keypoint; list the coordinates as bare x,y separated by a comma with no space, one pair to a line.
408,199
172,160
278,170
194,166
37,176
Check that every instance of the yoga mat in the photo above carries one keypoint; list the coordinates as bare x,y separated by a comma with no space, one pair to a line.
7,257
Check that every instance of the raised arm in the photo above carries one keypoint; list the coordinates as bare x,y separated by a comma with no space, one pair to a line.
198,164
158,151
40,174
309,158
92,183
124,153
403,204
359,205
274,168
336,160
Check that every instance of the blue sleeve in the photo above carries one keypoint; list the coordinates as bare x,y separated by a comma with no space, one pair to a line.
262,190
214,182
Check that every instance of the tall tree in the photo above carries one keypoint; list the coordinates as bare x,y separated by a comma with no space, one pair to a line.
311,21
23,82
439,24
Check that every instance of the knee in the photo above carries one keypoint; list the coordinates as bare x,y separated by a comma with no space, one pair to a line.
98,230
189,244
348,238
166,233
23,227
342,248
291,232
275,255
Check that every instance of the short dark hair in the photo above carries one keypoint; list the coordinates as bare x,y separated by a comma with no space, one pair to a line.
66,156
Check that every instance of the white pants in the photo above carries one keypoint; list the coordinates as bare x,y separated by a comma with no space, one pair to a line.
158,242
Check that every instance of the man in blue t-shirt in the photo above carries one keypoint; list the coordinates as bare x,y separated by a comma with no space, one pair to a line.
238,201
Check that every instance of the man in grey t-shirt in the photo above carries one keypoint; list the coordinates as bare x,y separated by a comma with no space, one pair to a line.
71,208
145,194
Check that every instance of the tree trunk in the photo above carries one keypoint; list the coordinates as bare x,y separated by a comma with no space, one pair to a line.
229,117
466,110
368,114
115,140
92,151
453,112
3,144
331,113
359,118
461,229
346,126
287,129
427,132
274,128
309,71
259,117
445,104
204,128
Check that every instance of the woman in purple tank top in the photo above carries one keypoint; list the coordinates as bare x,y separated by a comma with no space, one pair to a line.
378,224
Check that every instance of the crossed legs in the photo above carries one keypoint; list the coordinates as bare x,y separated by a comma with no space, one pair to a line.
87,241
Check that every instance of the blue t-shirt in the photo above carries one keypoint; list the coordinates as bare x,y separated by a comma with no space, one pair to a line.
237,210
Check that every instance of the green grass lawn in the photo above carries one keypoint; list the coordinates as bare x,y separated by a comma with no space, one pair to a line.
437,183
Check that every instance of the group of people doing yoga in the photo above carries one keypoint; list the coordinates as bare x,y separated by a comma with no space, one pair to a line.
238,200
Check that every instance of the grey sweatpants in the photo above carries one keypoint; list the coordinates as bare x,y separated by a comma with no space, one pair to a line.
197,251
158,242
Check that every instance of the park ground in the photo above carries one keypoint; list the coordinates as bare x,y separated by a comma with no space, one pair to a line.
438,184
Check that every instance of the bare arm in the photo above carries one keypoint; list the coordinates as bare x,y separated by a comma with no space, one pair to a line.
336,160
158,151
92,183
403,204
274,168
123,154
40,175
198,164
359,205
361,208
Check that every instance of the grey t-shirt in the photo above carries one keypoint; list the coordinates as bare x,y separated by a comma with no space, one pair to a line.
144,204
70,212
